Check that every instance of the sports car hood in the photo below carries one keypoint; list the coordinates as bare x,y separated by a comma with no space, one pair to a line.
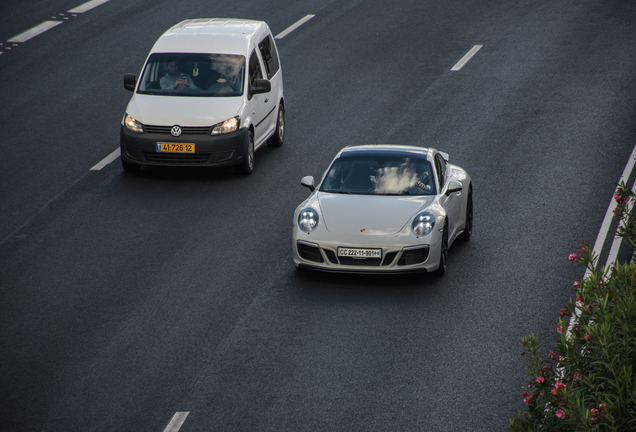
183,110
376,215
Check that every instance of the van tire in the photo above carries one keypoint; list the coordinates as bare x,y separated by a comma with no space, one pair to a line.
247,164
277,139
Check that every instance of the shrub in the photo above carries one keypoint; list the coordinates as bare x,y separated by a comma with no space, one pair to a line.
588,383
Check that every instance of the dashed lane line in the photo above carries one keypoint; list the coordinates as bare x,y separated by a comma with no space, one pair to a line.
460,64
87,6
177,421
35,31
294,26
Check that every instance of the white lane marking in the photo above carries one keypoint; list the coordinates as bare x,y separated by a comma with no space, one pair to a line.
616,243
108,159
33,32
177,420
602,235
87,6
294,26
460,64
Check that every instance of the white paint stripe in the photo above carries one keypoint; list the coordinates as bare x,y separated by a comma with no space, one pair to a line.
616,243
602,235
33,32
108,159
294,26
460,64
177,420
88,6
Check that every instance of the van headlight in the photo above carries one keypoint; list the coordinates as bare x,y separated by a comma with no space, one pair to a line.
229,125
423,224
133,125
308,220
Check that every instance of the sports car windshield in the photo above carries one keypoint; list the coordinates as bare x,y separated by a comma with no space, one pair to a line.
207,75
380,175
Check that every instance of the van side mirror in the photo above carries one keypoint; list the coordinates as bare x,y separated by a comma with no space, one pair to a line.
260,86
130,80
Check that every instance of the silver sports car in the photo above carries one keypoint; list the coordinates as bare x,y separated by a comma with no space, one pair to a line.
383,208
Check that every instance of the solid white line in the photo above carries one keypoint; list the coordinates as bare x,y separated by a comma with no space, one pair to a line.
33,32
294,26
108,159
602,235
177,420
87,6
616,243
460,64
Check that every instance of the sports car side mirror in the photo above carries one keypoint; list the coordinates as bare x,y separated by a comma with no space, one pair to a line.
453,186
308,182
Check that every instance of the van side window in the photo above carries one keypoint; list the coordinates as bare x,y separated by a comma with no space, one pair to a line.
255,69
269,55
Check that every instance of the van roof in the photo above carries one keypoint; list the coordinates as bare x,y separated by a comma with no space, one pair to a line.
212,35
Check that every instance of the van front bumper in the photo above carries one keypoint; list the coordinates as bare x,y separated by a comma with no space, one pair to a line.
210,150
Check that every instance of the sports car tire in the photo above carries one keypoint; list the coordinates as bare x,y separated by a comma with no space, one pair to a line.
468,230
247,165
443,253
276,140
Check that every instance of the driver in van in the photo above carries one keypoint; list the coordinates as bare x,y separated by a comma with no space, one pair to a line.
174,80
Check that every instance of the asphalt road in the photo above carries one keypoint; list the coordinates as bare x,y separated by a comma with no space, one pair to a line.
127,298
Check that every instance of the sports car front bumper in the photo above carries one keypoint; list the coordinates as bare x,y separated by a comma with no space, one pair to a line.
400,253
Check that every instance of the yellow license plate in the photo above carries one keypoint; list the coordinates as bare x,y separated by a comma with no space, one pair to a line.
175,148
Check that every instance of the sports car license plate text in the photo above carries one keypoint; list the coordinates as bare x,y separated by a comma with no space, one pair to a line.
359,253
175,148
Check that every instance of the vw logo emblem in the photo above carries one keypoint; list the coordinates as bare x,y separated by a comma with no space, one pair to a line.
175,131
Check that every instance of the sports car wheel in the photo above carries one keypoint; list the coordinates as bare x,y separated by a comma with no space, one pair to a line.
468,230
247,165
276,140
443,253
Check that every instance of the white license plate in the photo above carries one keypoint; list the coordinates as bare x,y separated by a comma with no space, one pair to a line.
359,253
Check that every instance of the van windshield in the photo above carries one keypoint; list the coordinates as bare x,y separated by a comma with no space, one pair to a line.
179,74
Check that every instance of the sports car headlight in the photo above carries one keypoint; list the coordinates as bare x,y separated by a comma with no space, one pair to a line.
423,224
133,125
308,220
229,125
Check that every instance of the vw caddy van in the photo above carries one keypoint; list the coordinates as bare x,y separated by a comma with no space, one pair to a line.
210,94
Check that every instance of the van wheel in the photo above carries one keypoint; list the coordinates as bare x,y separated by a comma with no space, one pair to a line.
130,168
247,165
276,140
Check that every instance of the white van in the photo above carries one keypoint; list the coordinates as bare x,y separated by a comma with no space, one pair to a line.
210,94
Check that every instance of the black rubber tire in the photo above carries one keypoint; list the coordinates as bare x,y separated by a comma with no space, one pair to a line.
129,167
443,253
468,230
247,165
277,139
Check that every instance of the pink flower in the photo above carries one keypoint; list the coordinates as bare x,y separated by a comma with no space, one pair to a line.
560,414
573,257
601,407
619,199
553,391
587,336
553,356
576,284
558,385
540,379
559,329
